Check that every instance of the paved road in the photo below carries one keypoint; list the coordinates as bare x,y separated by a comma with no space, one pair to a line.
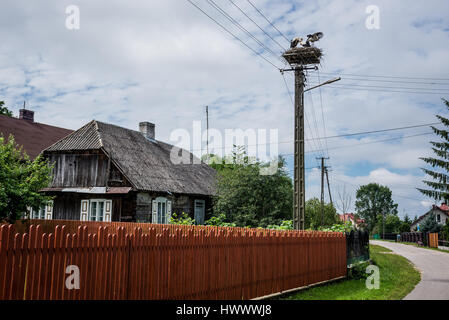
434,267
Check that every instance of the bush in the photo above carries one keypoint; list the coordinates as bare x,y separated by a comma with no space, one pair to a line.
358,271
285,225
219,221
184,219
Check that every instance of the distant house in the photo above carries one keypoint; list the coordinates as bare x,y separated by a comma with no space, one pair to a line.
441,215
34,137
104,172
351,218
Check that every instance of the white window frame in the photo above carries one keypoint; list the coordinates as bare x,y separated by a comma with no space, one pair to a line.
45,212
161,210
86,210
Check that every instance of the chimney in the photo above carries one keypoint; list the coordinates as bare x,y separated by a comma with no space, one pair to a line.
147,129
25,114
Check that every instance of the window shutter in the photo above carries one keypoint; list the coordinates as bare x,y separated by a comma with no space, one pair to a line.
49,210
108,211
168,214
84,210
154,215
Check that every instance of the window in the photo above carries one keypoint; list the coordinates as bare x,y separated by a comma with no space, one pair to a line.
438,218
96,210
38,214
44,213
161,211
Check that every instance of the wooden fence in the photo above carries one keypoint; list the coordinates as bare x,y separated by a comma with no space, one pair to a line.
184,263
433,240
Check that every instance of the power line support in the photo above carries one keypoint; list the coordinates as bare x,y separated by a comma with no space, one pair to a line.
323,172
328,187
299,166
207,131
300,59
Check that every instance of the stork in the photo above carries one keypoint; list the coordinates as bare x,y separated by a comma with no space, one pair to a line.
311,38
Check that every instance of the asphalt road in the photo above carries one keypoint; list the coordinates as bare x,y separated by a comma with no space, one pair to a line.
434,268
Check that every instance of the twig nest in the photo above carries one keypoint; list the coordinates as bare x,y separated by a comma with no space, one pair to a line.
303,55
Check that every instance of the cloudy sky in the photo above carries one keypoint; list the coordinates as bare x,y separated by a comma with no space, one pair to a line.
163,61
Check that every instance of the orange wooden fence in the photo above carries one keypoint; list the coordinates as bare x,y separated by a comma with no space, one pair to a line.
433,240
183,263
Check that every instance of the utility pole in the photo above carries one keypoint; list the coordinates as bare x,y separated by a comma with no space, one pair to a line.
323,172
299,165
328,187
300,60
207,131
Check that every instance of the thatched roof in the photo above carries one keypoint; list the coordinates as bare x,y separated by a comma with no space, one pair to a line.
145,163
303,55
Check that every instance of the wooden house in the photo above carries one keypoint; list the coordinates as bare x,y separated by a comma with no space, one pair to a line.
104,172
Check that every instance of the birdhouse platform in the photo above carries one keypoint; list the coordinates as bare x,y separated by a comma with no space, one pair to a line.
303,56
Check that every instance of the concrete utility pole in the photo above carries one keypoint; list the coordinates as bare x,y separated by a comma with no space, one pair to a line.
329,187
207,131
299,58
299,165
323,172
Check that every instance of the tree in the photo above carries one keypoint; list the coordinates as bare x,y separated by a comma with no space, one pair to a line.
20,181
249,199
430,224
373,200
392,224
313,215
345,200
405,224
4,110
439,187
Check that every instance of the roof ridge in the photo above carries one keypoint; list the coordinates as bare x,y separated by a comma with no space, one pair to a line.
97,129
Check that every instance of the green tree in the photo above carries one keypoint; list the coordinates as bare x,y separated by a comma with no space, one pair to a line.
405,224
392,222
249,199
373,200
4,110
430,224
313,215
20,181
439,187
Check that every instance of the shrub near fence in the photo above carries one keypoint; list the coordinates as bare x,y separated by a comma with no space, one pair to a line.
184,263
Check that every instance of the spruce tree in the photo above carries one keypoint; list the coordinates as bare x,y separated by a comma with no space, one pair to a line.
439,187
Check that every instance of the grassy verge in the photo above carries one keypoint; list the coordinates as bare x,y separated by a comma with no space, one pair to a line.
397,278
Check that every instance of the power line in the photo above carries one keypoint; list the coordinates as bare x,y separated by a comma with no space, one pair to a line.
376,90
268,35
236,23
268,21
347,135
366,143
388,77
388,81
385,87
232,34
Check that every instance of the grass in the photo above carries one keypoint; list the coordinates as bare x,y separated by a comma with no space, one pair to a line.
397,278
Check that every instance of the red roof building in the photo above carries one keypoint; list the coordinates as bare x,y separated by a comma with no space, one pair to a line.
34,137
351,218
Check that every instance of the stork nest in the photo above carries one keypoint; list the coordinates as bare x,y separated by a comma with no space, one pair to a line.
303,55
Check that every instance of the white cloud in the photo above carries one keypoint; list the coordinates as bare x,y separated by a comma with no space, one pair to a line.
163,61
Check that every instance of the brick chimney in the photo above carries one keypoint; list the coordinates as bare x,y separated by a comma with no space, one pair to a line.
148,130
27,115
